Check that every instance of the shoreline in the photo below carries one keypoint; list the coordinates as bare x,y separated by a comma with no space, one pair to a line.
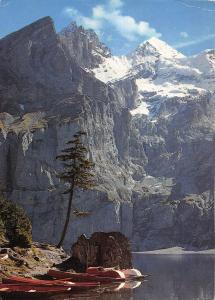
176,251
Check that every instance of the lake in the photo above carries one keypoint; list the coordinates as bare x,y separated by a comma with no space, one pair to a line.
176,277
172,277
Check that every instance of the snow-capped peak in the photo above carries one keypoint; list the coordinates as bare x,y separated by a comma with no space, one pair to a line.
144,59
204,61
160,48
161,75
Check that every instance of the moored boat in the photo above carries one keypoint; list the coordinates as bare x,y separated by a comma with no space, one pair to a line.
24,288
105,272
17,289
133,274
127,274
38,282
82,277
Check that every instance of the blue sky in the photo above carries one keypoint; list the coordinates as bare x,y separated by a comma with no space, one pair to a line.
188,25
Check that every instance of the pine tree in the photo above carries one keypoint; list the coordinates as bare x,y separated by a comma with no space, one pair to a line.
77,172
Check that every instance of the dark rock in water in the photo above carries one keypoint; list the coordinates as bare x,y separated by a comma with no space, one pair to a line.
101,249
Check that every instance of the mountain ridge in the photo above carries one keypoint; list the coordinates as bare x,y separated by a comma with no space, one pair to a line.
155,168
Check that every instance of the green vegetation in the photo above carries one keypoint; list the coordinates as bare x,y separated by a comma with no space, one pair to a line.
77,173
28,123
2,232
15,226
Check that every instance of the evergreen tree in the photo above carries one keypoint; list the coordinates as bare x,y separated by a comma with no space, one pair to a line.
77,172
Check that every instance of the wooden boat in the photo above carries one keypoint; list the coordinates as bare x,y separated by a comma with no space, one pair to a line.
26,286
127,274
17,289
133,274
82,277
106,272
37,282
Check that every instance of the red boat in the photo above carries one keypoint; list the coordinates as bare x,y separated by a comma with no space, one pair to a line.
37,282
105,272
128,274
82,277
17,289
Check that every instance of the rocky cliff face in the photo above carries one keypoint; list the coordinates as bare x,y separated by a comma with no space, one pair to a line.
149,130
84,46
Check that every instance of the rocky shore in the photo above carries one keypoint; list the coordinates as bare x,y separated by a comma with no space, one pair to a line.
101,249
30,262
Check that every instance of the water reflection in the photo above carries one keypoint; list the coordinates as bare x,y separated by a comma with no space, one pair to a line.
176,277
173,277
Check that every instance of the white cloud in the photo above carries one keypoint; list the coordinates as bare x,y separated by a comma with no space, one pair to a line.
184,34
195,42
111,14
191,4
92,23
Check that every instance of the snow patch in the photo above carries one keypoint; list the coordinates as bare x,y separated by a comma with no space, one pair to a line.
142,109
204,61
26,141
112,68
48,174
49,177
117,210
161,73
164,49
166,89
22,106
152,93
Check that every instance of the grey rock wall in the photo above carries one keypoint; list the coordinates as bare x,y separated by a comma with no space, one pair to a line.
155,180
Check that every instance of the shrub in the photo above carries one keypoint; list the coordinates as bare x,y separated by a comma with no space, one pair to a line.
15,226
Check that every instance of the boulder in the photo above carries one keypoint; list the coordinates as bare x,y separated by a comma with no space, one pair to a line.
101,249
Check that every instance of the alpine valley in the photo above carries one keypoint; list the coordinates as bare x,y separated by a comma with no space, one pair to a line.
150,123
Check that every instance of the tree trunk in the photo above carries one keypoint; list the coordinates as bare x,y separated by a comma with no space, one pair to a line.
67,217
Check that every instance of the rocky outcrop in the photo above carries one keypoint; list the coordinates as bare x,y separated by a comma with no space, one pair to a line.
84,46
30,262
55,104
147,166
101,249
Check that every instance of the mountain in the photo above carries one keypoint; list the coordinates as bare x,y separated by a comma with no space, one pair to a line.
150,131
83,45
159,72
